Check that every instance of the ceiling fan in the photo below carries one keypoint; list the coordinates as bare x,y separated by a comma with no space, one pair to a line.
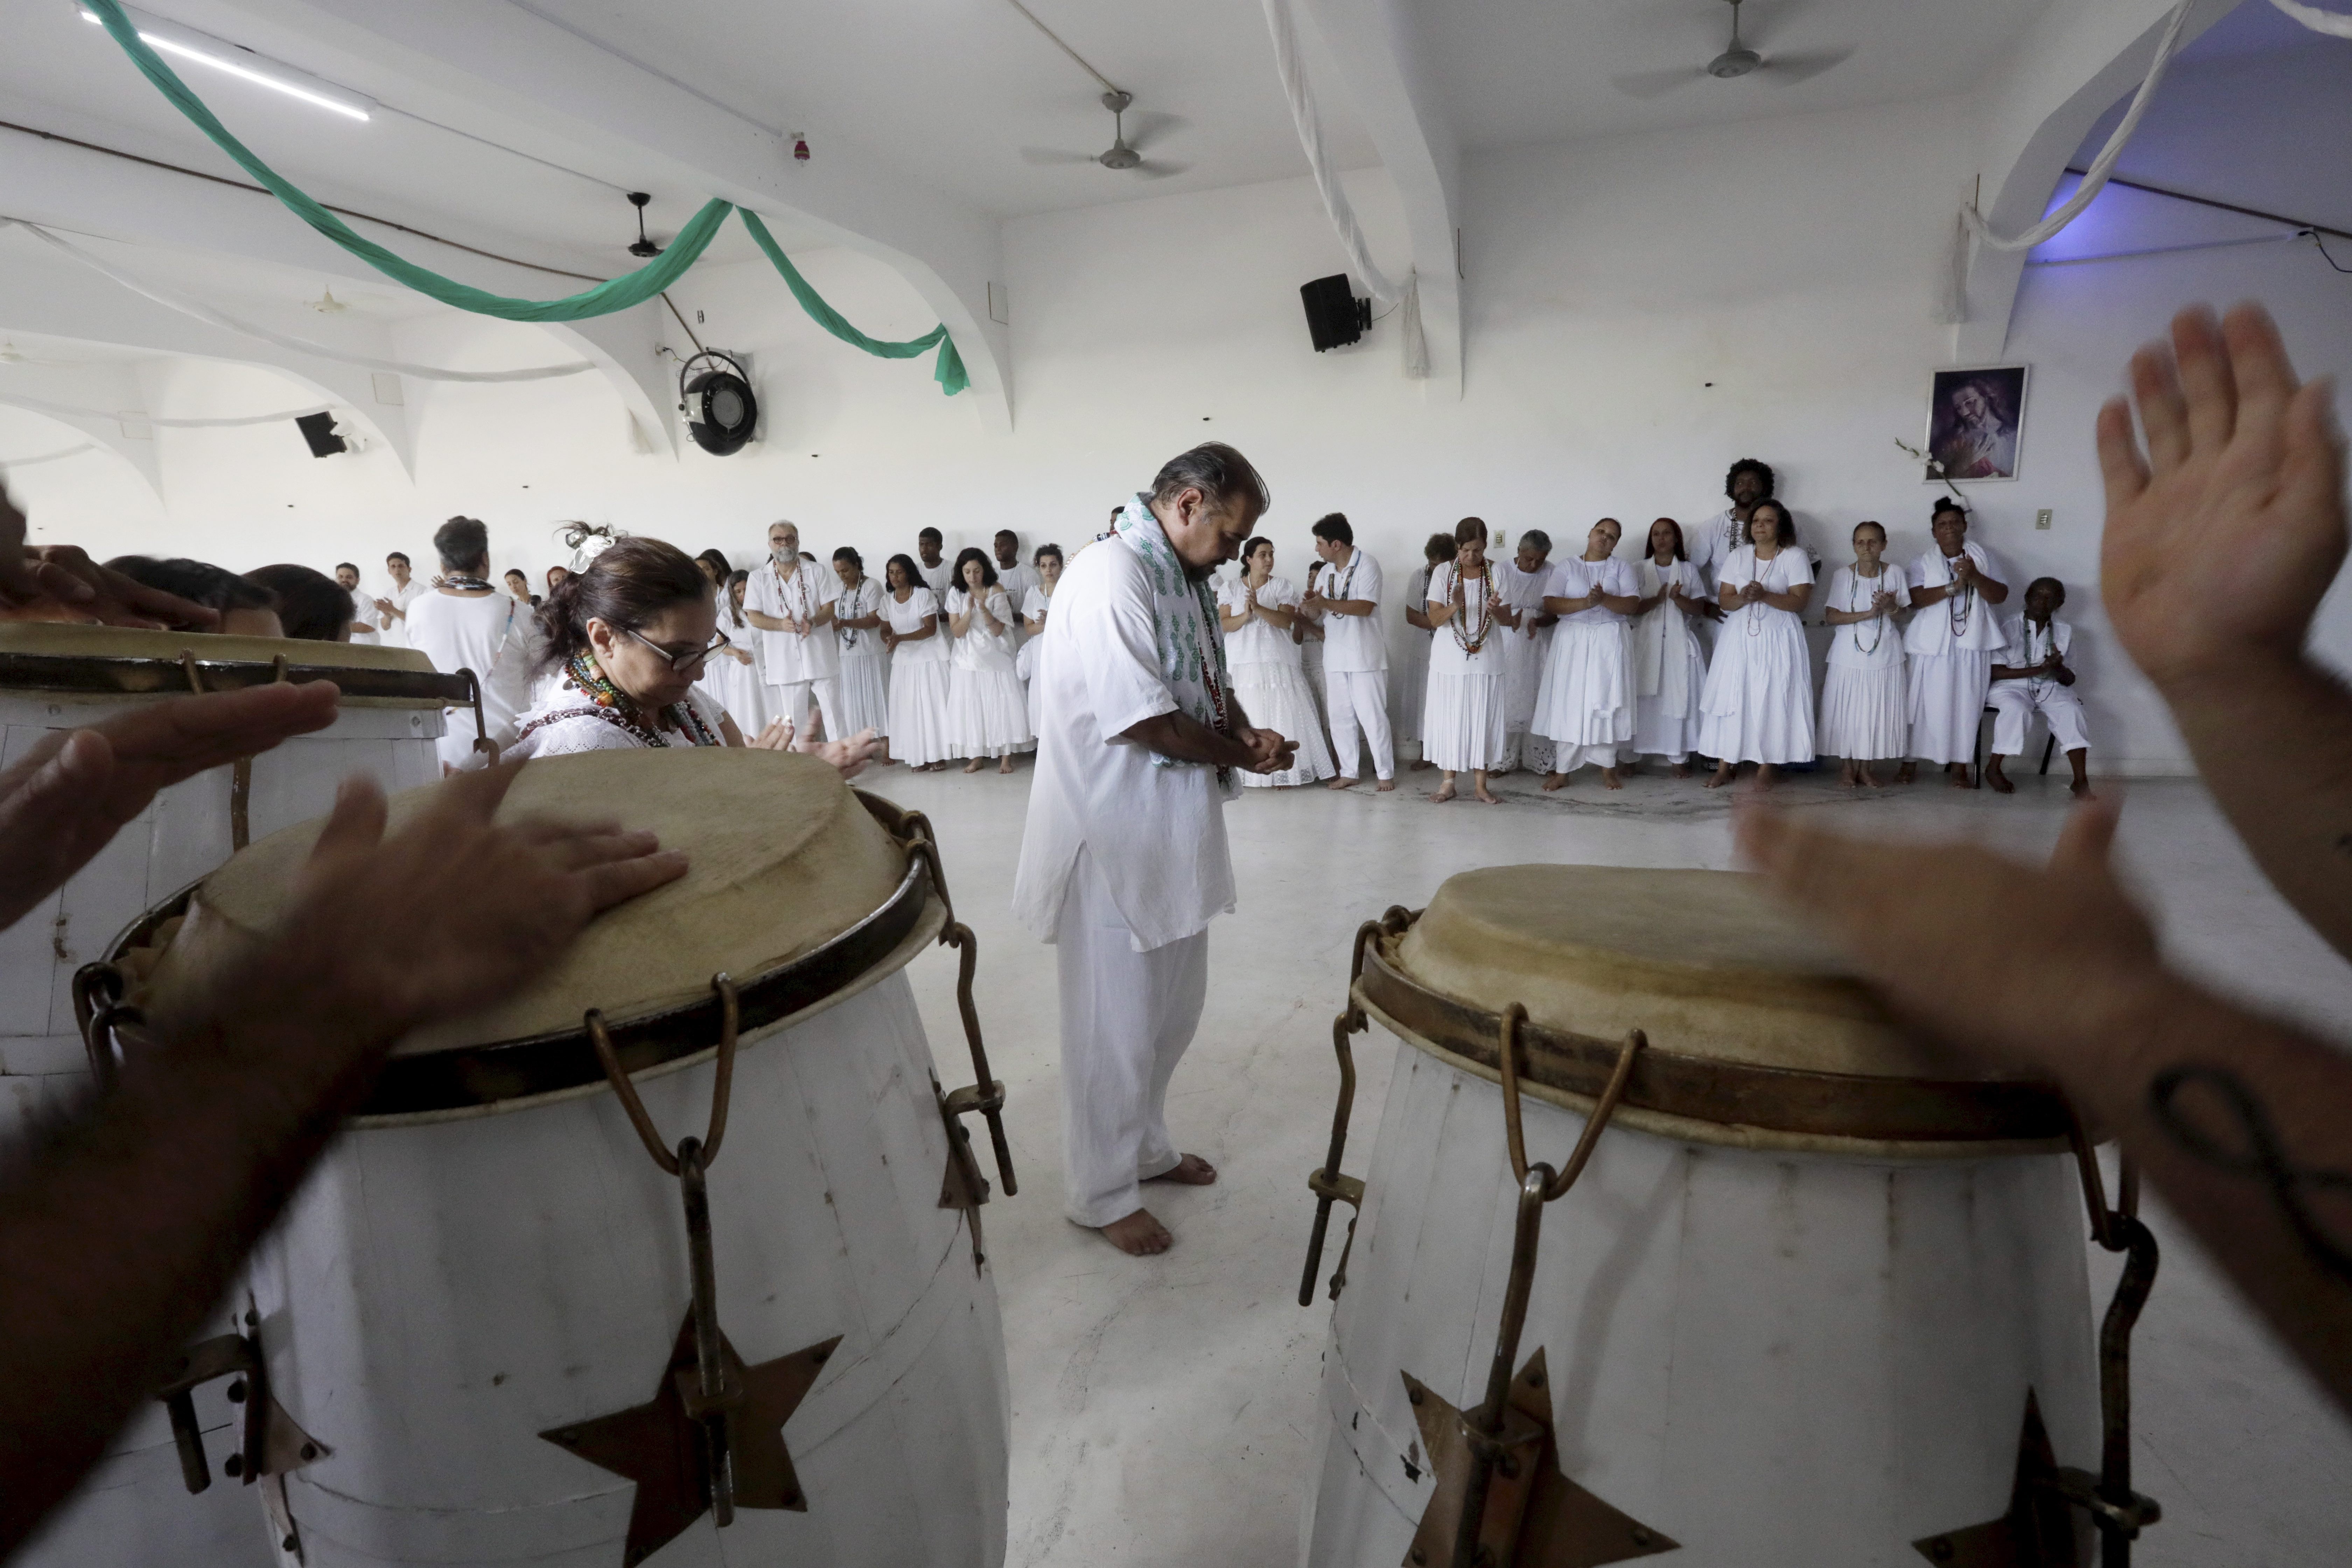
1739,60
1123,154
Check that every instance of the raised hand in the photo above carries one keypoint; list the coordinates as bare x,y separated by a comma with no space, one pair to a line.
2221,539
58,582
74,789
776,737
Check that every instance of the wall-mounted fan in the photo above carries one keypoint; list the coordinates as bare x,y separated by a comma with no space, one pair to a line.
720,408
1737,60
1123,154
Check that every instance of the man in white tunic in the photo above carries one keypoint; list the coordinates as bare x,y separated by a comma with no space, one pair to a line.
790,601
1124,860
1710,544
392,610
2031,675
362,617
939,573
1346,599
1015,576
467,624
1951,641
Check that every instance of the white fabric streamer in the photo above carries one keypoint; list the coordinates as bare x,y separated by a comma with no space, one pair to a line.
187,305
38,407
2095,179
1284,26
2335,23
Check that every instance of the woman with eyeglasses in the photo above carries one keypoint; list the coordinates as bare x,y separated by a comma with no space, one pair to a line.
626,640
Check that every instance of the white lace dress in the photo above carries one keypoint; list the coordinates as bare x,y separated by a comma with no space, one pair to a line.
1271,682
988,713
919,681
865,662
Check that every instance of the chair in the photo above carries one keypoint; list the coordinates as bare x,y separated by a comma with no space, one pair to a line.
1976,758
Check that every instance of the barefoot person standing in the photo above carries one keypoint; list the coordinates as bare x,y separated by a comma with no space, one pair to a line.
1124,860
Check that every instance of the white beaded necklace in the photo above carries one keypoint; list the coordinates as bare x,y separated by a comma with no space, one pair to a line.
1878,622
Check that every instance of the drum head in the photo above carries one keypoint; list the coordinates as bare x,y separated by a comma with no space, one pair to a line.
781,858
112,661
1700,962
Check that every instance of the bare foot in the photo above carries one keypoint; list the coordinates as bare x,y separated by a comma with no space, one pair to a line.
1608,776
1957,776
2082,790
1997,779
1445,793
1423,763
1189,1170
1484,793
973,767
1342,782
1386,786
1907,774
1006,765
1850,776
1552,782
1724,774
1766,775
1680,770
1138,1235
1871,779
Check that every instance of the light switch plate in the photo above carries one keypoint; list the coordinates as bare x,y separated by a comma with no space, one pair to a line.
2041,518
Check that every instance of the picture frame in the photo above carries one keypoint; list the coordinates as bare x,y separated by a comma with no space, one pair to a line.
1975,422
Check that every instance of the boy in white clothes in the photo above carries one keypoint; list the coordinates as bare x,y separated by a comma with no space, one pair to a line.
939,573
1950,643
1346,598
1013,577
790,601
2030,676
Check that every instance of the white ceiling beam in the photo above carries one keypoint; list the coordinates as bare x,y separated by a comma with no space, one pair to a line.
1390,82
92,386
500,72
71,188
2063,73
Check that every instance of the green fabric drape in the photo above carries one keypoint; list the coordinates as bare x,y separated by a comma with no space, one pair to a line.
604,298
948,372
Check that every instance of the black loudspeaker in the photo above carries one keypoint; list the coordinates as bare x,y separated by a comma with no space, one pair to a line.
319,430
1335,317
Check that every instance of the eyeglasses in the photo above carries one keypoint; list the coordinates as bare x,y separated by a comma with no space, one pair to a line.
681,662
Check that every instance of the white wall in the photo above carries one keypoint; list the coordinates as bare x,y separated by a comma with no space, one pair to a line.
1639,311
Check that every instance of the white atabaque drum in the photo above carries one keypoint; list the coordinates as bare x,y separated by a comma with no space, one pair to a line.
488,1274
56,677
135,1510
1792,1311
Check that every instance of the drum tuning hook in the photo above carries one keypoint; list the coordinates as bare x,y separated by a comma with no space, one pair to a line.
1507,1059
1329,1184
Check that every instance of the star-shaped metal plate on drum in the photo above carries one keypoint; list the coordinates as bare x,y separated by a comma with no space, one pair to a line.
1536,1517
2038,1530
659,1446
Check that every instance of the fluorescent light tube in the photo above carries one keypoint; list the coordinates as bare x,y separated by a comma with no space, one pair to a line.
245,65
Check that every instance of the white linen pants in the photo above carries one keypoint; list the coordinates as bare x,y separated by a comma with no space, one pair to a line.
1126,1017
2014,703
791,702
1359,699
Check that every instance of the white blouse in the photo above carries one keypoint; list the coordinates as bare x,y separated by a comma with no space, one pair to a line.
1258,642
1866,644
1447,656
856,603
1663,638
918,610
1575,579
1963,621
977,649
1791,568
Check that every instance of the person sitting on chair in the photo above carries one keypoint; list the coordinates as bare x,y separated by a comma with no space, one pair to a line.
2030,676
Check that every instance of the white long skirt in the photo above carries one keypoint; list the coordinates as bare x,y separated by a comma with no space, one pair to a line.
865,692
1759,703
1527,664
1865,717
1585,703
988,713
1658,734
919,711
737,687
1464,721
1277,697
1946,704
1409,671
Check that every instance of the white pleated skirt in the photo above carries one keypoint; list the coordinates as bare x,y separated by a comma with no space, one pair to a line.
1464,723
1864,716
1277,697
1586,698
1946,703
737,687
865,692
1759,701
1527,662
919,711
1411,673
988,712
1673,736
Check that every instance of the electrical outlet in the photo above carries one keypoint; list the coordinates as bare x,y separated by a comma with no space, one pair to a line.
2041,518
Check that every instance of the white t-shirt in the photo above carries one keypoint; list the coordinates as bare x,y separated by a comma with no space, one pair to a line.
787,658
363,610
1033,606
1258,641
396,633
2024,644
1016,582
492,636
1416,594
1573,579
1785,571
936,578
1353,645
1710,544
856,603
1962,621
1866,644
1157,834
920,609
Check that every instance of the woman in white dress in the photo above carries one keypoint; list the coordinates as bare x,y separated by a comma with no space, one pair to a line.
1669,669
732,679
865,659
627,637
1864,715
1307,635
919,668
1256,610
1463,726
1757,706
1413,660
1949,645
1585,704
1033,608
987,714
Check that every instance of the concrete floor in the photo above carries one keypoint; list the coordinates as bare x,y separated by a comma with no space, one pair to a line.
1162,1407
